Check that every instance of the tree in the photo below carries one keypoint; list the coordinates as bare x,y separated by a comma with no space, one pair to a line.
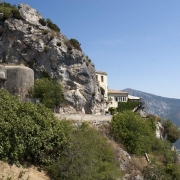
172,131
136,134
48,91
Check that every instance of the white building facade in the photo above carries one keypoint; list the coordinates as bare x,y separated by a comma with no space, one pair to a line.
102,79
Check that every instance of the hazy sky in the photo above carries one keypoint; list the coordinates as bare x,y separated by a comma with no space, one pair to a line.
137,42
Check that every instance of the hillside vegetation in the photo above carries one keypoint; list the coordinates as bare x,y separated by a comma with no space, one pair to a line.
30,134
138,136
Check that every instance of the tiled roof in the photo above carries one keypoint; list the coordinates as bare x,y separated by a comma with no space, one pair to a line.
101,72
116,91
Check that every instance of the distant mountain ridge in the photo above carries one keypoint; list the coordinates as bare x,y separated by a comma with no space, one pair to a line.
167,108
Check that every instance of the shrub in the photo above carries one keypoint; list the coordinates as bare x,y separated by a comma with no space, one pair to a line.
52,25
58,43
75,44
88,157
68,44
42,22
172,131
51,37
124,106
135,133
45,32
7,9
102,91
15,14
29,132
46,49
48,91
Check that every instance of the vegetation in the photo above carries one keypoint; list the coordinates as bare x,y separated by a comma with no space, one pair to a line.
172,131
88,157
58,43
137,135
29,132
43,22
75,44
48,91
46,49
8,11
102,91
129,105
52,26
68,44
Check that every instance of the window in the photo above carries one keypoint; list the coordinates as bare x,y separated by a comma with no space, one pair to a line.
116,99
102,79
96,77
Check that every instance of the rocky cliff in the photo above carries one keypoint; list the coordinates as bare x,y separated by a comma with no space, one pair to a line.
27,42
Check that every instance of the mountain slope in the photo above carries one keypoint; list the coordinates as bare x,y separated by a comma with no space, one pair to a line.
167,108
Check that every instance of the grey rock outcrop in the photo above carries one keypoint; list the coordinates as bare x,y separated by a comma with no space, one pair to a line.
25,41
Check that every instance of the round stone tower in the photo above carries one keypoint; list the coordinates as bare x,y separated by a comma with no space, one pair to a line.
19,79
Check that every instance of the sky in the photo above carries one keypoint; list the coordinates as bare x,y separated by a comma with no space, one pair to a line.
137,42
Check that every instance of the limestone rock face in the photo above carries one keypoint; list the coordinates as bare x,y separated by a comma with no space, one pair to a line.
25,41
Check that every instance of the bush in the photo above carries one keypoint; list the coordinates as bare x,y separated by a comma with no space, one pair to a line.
124,106
52,25
48,91
42,22
45,32
7,9
46,49
102,91
172,131
58,43
68,44
75,44
29,132
135,133
88,157
15,14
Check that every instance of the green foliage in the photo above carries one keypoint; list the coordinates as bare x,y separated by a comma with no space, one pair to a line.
7,9
88,157
135,133
45,32
15,14
46,49
155,171
102,91
48,91
75,43
68,44
112,110
129,105
29,132
42,22
58,43
172,131
52,25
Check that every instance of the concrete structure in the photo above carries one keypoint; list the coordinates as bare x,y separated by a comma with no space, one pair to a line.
84,117
115,96
101,78
16,79
133,98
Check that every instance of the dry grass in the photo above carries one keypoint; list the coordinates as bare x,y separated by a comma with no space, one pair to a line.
12,172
